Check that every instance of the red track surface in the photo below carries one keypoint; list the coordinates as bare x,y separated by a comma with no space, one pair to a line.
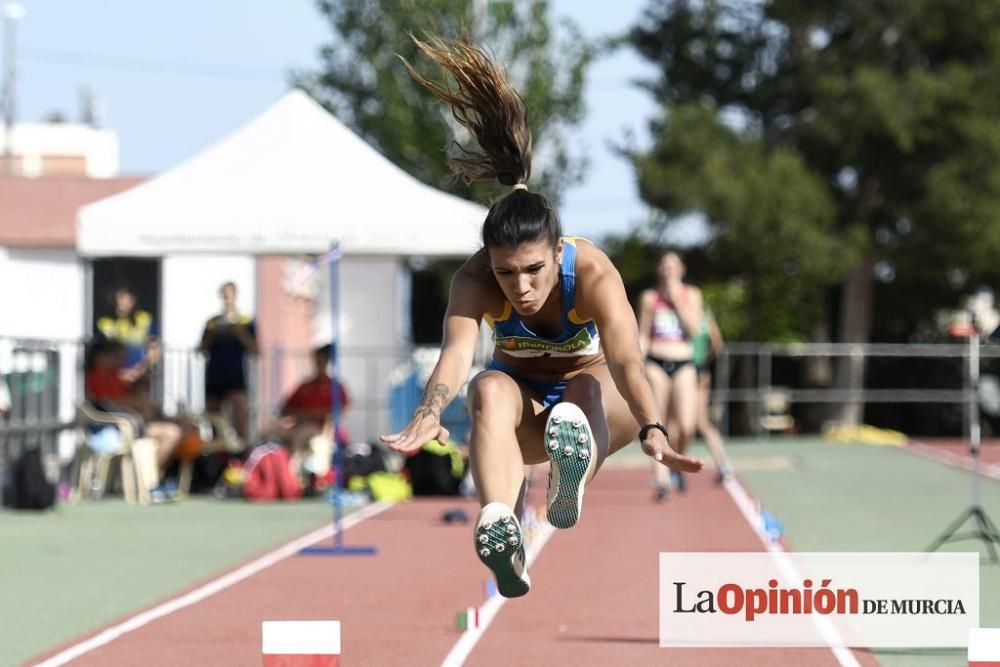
956,452
593,601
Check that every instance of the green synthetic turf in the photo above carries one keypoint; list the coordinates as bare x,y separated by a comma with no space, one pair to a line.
69,571
836,497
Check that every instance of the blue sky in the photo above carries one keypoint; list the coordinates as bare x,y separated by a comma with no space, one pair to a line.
173,77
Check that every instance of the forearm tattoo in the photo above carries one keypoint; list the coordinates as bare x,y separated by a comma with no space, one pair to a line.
433,402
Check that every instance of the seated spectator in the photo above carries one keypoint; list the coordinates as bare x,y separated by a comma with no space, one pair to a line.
307,412
111,387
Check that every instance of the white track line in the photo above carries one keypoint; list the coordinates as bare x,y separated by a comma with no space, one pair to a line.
949,458
749,510
211,588
488,611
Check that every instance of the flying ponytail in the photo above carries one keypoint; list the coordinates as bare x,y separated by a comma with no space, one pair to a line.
487,105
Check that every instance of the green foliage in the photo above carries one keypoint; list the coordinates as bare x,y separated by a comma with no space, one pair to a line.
772,220
727,301
635,256
813,135
362,81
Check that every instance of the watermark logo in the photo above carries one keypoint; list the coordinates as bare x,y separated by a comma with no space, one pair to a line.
818,599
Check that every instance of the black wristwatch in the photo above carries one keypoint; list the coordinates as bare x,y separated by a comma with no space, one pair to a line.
644,431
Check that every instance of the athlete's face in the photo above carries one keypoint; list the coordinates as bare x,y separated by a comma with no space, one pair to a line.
671,267
124,302
228,293
527,274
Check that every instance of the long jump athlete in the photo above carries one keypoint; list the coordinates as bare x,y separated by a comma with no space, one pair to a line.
567,383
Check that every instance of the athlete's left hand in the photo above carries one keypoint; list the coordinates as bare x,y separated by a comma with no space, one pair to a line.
656,445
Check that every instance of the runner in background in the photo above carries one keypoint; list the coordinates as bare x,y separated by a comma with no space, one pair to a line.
669,316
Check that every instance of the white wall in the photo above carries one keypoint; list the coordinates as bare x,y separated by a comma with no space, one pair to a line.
190,295
41,293
190,288
375,331
42,296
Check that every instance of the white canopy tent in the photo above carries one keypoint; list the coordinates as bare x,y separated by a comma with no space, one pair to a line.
293,181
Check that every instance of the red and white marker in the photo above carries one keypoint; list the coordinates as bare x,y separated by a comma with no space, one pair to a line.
301,643
984,647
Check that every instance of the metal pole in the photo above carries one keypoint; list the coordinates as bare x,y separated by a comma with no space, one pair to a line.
338,549
373,403
763,387
722,383
479,9
974,433
338,454
856,383
13,13
967,388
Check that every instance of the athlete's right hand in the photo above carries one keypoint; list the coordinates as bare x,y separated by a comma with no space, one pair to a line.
656,446
421,430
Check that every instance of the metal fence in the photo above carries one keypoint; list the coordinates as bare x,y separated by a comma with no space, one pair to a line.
42,381
45,378
364,370
917,388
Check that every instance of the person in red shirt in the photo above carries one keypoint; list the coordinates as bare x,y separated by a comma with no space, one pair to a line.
110,387
307,412
312,400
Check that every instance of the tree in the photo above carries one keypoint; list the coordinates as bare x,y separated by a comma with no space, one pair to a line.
884,112
772,220
363,82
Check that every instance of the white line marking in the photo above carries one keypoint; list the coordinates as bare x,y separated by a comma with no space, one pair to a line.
211,588
752,515
488,611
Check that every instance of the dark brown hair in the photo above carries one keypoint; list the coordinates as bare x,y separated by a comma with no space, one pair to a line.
484,102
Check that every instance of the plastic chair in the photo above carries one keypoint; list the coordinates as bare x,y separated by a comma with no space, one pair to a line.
776,418
132,454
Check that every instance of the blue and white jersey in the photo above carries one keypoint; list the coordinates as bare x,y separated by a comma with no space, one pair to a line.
578,337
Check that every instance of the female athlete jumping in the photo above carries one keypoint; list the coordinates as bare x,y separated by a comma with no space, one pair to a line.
567,382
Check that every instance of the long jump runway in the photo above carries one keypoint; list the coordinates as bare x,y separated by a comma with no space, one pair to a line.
593,598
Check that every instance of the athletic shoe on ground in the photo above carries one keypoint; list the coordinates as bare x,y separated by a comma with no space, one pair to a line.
165,492
678,481
661,494
569,443
500,546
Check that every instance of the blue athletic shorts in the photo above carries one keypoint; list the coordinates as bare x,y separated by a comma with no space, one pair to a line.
549,393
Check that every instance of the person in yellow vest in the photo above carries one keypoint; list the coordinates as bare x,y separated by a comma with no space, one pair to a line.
135,329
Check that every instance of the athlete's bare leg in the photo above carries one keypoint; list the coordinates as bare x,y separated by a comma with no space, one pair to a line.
503,416
706,429
683,414
660,383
